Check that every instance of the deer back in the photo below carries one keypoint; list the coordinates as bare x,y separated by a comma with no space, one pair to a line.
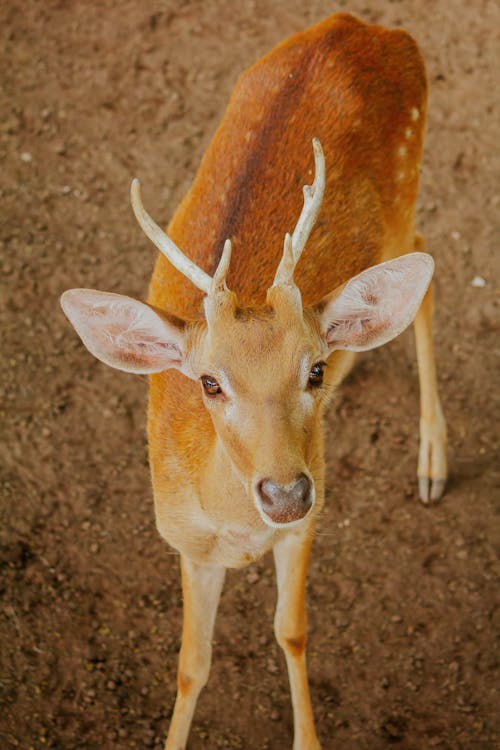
361,90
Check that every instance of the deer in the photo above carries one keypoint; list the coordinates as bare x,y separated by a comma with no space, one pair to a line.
245,339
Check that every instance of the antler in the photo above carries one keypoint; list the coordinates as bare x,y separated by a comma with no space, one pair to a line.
313,198
170,250
293,247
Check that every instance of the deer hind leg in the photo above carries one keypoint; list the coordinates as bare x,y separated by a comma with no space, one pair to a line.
291,555
432,469
201,589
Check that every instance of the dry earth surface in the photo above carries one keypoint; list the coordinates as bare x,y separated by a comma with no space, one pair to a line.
403,599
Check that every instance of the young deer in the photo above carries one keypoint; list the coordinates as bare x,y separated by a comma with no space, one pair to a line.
244,357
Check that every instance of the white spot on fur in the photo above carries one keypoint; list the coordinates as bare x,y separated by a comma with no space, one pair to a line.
402,151
408,132
414,114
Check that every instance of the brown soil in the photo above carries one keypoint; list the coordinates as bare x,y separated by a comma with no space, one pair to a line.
403,599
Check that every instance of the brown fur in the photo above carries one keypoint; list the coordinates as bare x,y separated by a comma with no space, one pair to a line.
351,85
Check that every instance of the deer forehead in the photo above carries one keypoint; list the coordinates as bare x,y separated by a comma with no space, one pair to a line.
251,351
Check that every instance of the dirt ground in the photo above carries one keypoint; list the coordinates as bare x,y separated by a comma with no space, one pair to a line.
403,599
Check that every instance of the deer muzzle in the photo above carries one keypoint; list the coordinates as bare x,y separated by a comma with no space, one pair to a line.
283,505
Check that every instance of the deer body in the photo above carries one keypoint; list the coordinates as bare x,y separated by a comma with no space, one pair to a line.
308,86
237,464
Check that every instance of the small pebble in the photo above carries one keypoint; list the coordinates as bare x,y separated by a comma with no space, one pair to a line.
478,282
272,667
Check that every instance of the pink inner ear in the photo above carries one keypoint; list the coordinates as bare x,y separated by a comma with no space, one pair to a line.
378,304
123,332
353,333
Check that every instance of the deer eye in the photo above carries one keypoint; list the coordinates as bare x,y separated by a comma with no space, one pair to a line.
210,385
316,374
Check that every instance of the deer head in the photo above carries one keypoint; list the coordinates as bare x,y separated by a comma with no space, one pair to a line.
265,374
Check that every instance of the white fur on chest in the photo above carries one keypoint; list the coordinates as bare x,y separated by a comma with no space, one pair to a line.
234,545
243,537
210,541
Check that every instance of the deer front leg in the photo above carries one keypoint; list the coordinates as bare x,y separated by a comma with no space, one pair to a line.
432,468
201,589
291,556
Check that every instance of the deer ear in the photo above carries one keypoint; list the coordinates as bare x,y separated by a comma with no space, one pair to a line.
125,333
377,305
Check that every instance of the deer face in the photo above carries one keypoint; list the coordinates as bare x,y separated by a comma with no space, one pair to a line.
261,376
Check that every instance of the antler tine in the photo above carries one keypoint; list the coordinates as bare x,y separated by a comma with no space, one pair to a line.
313,198
169,249
219,277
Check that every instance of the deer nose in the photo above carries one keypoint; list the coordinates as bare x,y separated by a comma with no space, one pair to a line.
285,504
